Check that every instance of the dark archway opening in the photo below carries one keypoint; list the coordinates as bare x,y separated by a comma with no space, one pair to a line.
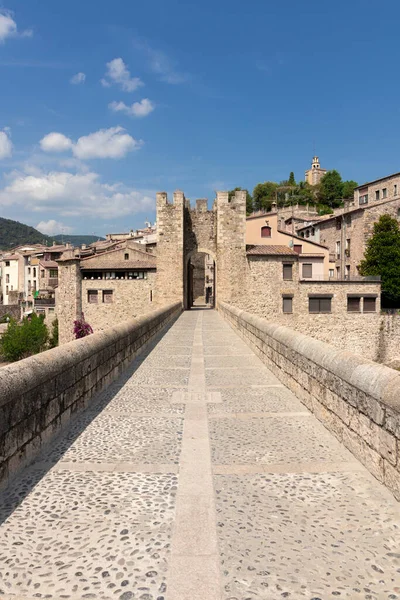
201,280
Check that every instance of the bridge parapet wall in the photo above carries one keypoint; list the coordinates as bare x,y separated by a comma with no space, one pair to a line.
40,394
356,399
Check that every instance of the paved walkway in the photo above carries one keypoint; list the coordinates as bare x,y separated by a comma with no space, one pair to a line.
198,476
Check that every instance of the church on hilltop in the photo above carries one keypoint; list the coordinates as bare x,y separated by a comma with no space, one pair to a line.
314,175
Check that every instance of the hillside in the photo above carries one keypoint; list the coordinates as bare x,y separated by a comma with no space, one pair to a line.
77,240
13,233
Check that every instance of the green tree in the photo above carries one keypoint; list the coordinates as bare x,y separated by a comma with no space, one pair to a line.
382,257
331,189
264,194
249,199
348,188
24,339
291,180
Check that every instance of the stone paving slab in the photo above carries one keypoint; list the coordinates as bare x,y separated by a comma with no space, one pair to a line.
270,399
243,377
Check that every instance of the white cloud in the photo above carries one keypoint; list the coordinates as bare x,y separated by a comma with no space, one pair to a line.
73,194
160,63
118,72
105,143
78,78
6,146
137,109
55,142
53,227
8,27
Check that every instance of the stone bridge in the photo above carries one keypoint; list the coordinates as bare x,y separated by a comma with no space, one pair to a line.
201,455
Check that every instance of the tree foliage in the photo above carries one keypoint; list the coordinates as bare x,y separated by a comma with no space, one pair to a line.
24,339
264,194
249,199
348,188
291,180
13,233
331,189
382,256
53,339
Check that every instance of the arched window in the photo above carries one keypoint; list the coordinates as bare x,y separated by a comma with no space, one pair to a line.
266,231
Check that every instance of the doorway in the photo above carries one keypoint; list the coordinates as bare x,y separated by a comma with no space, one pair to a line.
201,279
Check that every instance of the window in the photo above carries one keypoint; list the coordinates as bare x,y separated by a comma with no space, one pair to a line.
298,248
307,233
288,271
363,199
93,296
34,271
331,273
348,220
266,231
395,189
377,195
287,304
126,256
53,273
42,273
347,251
353,303
312,231
107,296
29,270
337,249
302,234
337,272
347,272
369,304
339,223
29,285
7,278
319,304
6,290
7,263
384,193
307,270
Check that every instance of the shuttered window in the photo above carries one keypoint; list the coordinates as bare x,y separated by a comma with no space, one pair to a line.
266,231
318,304
307,270
287,304
93,296
369,304
288,271
353,304
107,296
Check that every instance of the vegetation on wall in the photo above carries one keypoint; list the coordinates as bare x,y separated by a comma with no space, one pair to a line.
382,257
82,328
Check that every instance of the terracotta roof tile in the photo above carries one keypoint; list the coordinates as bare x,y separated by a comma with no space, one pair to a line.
270,250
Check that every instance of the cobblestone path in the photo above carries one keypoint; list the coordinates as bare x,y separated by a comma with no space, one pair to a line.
198,476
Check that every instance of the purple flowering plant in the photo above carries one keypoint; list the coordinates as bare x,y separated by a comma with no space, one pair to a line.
82,328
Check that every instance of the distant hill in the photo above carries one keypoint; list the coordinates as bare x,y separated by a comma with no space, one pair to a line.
77,240
13,233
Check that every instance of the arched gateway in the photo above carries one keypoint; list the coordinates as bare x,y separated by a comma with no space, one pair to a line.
183,232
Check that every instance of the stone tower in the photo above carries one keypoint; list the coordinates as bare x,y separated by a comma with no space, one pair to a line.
68,296
170,248
314,175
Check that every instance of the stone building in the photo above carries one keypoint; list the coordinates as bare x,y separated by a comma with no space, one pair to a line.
314,175
347,232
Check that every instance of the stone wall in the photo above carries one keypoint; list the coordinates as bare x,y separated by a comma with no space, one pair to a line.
40,394
356,399
131,298
170,248
68,297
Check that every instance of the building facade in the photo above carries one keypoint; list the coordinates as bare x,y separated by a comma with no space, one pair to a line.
314,175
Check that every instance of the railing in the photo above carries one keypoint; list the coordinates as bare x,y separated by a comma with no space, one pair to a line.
45,301
367,278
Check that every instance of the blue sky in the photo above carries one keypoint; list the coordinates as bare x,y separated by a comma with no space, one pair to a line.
103,104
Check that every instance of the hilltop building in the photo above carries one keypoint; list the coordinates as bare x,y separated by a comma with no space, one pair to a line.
314,175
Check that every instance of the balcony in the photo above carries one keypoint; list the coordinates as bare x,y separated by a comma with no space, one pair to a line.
45,301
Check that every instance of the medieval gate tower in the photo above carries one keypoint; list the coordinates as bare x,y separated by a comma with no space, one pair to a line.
183,231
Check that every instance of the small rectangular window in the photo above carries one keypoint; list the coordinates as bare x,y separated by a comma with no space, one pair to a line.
395,189
6,290
7,263
7,278
126,256
331,273
377,195
384,193
322,304
29,270
93,296
298,248
288,272
107,296
287,304
307,270
369,304
53,274
353,303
